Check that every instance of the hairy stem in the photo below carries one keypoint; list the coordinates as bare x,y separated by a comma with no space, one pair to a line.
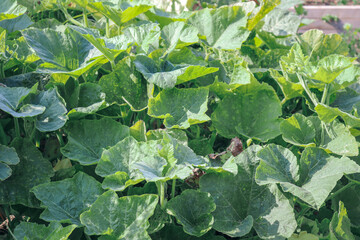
86,22
17,127
324,97
307,90
107,29
173,188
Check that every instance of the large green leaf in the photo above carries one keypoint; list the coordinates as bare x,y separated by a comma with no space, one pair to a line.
63,50
340,225
196,220
259,13
298,130
180,107
125,85
11,100
350,197
347,100
32,170
311,180
12,24
329,114
178,34
310,131
175,232
319,45
129,162
180,158
91,99
89,138
120,218
65,200
242,204
146,36
290,89
223,28
54,116
328,68
168,75
34,231
281,22
251,110
8,156
11,7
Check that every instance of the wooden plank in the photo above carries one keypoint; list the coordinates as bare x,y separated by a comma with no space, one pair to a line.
346,14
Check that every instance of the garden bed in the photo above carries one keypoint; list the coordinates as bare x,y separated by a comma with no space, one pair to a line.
345,14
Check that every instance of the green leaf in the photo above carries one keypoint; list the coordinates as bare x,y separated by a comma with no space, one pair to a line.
120,218
319,45
340,225
251,110
180,107
330,67
180,157
178,34
65,200
281,22
11,100
13,24
175,232
350,197
328,114
133,11
290,89
125,85
169,75
197,219
298,130
158,134
339,140
130,162
63,50
138,131
265,7
91,99
312,180
165,18
54,116
32,170
146,36
309,131
242,204
89,138
8,156
11,7
34,231
223,28
304,236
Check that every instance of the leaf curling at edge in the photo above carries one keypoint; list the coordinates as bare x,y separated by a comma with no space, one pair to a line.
312,179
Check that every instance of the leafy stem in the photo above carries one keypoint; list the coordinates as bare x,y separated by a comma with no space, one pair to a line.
324,97
107,29
161,191
17,127
3,140
307,90
86,22
173,188
69,17
2,73
350,184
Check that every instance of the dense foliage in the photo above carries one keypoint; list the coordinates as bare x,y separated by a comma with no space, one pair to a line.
121,121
